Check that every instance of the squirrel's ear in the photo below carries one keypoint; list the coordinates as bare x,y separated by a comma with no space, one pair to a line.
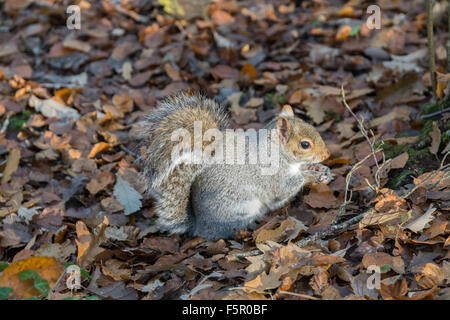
287,111
283,128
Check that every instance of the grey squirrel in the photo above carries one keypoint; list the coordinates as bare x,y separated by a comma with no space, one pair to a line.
212,199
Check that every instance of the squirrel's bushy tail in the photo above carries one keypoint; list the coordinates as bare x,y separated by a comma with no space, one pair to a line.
168,178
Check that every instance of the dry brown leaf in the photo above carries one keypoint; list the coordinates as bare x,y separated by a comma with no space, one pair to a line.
89,244
314,107
224,72
100,183
389,202
172,72
241,115
343,33
420,223
320,196
435,135
47,268
248,72
98,147
221,17
288,230
399,113
382,259
123,102
428,275
77,45
393,291
437,180
11,165
114,269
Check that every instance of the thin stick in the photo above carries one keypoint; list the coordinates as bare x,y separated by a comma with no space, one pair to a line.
237,256
347,199
430,176
431,46
305,296
313,238
363,131
373,152
431,115
337,228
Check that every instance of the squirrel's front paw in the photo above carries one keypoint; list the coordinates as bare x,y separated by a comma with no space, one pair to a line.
320,174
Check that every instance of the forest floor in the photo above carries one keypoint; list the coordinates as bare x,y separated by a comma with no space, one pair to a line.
70,101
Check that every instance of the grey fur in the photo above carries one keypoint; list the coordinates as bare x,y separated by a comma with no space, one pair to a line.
210,200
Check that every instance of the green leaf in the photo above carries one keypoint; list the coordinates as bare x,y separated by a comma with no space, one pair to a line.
4,293
355,31
72,298
42,285
92,298
385,268
3,265
85,274
28,274
39,283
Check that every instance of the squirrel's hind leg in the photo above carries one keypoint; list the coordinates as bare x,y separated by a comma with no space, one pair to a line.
173,206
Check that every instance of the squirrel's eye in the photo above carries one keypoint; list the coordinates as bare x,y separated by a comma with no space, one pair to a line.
305,145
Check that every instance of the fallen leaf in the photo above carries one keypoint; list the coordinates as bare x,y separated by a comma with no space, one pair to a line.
314,107
51,108
127,195
11,165
47,268
435,135
98,147
89,244
422,222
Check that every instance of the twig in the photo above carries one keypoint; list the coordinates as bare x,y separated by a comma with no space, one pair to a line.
123,148
430,176
313,238
305,296
432,63
333,229
237,256
357,165
431,115
347,199
363,131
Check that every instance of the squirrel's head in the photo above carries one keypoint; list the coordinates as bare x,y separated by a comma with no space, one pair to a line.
300,140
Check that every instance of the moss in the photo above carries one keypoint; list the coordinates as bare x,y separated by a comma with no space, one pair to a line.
425,132
269,97
17,121
334,115
397,181
435,107
281,98
391,150
415,155
430,108
402,135
445,137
